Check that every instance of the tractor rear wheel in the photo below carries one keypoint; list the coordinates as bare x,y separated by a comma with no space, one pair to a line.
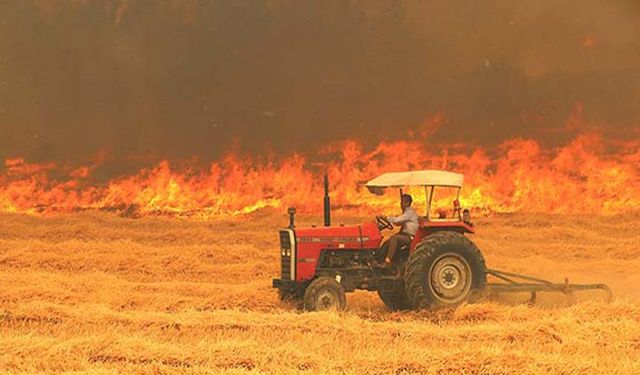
395,300
395,296
325,294
445,269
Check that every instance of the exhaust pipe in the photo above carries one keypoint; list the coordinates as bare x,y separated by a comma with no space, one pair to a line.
292,217
327,202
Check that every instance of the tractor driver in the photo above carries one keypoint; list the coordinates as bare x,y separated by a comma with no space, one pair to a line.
408,221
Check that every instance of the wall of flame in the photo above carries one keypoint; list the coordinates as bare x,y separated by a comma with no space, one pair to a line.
587,175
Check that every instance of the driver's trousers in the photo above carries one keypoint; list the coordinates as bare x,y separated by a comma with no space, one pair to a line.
396,242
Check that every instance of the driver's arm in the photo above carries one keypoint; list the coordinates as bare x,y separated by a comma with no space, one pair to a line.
399,219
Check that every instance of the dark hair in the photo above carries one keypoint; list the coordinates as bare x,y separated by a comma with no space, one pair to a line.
408,198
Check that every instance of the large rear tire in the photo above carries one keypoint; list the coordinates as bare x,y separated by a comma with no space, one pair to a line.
394,296
325,294
445,270
395,300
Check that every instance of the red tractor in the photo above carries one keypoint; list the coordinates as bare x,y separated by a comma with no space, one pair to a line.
441,266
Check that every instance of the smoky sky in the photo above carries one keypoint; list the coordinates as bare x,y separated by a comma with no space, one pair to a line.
198,78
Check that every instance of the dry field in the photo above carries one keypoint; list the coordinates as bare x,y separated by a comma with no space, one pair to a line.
98,293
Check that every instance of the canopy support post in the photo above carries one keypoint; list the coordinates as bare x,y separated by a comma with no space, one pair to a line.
429,194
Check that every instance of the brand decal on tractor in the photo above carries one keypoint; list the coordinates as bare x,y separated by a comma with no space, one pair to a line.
307,260
333,239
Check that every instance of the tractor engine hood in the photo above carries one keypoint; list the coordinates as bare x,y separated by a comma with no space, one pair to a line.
364,236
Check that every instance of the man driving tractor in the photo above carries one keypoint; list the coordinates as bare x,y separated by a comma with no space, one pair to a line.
408,221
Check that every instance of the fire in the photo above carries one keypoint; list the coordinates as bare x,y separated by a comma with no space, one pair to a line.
588,42
586,175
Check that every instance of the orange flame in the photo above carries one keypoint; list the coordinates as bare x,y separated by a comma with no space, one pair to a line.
587,175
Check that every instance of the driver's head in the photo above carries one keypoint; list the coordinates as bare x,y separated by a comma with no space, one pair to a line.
405,201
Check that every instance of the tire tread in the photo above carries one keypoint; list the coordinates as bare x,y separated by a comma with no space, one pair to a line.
425,250
317,285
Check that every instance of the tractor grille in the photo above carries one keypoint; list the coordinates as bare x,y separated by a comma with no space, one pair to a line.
286,252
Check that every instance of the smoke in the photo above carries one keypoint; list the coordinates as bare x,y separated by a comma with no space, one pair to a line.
176,79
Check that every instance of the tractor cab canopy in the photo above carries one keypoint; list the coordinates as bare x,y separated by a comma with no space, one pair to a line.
430,179
415,178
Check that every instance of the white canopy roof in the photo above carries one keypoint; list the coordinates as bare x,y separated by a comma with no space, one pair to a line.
416,178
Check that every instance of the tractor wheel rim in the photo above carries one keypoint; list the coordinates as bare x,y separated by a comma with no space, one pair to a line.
450,278
326,300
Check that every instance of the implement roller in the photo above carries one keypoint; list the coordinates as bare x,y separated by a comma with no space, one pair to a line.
534,286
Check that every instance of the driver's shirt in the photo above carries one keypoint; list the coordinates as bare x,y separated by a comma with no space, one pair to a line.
408,220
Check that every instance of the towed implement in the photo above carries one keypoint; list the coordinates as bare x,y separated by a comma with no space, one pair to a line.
515,283
441,267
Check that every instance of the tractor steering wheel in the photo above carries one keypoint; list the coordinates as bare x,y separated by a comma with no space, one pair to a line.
383,223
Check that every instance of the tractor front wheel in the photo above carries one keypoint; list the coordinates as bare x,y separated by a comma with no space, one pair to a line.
325,294
445,269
